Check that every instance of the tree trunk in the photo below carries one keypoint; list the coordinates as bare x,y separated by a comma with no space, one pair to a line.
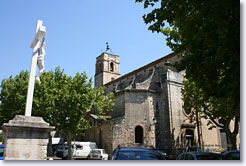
231,140
231,136
69,144
50,148
198,129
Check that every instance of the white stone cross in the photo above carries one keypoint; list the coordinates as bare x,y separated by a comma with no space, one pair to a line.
40,33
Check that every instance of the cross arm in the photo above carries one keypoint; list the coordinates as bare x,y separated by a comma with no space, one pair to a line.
41,31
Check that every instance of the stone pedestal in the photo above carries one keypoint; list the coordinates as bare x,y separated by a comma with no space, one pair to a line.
26,138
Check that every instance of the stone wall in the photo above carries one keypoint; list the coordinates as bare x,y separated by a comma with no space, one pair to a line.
174,86
140,111
26,138
119,108
104,135
101,134
210,138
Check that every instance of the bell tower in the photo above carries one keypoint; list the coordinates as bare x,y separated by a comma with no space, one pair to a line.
107,68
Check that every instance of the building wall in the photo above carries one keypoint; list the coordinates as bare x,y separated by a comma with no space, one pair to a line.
101,134
176,116
210,138
138,111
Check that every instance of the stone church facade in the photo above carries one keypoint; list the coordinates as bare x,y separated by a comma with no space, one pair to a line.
148,109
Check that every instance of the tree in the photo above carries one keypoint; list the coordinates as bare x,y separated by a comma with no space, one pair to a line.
193,101
206,34
61,100
13,96
68,99
213,109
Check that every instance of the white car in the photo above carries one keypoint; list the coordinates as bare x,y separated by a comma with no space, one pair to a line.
98,154
80,150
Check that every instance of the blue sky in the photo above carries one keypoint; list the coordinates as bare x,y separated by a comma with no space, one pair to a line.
77,32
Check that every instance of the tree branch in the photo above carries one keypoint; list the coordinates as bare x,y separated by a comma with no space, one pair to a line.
212,119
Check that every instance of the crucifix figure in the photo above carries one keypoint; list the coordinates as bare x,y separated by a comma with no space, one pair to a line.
37,58
41,54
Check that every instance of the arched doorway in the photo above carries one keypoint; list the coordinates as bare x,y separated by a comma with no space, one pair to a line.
139,134
189,137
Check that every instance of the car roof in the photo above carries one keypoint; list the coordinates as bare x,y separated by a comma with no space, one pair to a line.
232,151
202,153
134,149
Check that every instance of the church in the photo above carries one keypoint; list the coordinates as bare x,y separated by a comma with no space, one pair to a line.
148,109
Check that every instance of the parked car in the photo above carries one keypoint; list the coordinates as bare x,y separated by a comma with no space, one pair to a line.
56,143
233,154
98,154
164,154
1,152
174,154
80,150
201,156
61,151
137,154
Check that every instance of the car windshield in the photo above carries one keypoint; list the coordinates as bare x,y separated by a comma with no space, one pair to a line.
93,146
95,151
62,146
210,157
136,155
79,147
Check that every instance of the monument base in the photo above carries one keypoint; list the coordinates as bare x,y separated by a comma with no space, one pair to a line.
26,138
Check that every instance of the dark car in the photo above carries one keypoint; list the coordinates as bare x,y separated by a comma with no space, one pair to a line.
174,154
233,154
1,152
201,156
61,151
137,154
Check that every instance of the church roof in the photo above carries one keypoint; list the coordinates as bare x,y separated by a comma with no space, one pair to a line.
100,117
142,68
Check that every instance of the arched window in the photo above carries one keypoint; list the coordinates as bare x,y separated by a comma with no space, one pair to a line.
139,134
111,66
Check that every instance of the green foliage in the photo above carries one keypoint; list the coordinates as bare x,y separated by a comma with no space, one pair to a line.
207,35
215,108
13,96
61,100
